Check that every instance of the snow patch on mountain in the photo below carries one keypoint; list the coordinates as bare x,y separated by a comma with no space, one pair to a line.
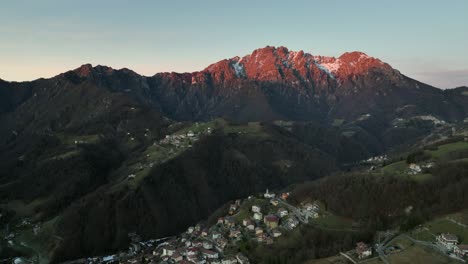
325,69
239,69
332,66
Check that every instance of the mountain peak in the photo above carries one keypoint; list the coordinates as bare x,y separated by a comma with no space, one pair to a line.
84,70
87,70
281,64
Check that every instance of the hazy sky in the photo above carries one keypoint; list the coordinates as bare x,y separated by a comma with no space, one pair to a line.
426,40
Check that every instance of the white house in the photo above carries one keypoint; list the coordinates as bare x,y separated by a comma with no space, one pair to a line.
168,251
363,250
461,250
283,212
277,233
256,209
258,216
448,240
414,168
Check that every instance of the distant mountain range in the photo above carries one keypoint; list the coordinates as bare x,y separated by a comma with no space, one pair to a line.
68,143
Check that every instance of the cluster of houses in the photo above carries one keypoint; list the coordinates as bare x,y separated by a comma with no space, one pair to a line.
450,241
179,141
183,140
262,220
376,159
414,168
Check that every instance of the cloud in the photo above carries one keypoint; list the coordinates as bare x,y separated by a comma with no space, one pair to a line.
443,78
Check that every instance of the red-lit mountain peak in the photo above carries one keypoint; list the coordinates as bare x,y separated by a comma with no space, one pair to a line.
279,64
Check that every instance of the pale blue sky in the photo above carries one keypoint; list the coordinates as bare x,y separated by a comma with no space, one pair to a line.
426,40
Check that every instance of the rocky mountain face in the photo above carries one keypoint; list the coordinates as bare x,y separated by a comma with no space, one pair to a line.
334,110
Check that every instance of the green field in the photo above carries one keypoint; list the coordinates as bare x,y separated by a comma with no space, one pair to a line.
416,254
330,260
37,246
429,230
399,167
401,242
330,221
443,152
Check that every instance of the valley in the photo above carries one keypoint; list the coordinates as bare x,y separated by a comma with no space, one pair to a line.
237,225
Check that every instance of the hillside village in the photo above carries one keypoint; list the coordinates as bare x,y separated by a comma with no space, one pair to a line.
263,218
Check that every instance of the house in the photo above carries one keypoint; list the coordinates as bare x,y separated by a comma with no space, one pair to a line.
260,238
274,202
190,134
229,260
256,209
220,220
190,230
271,221
251,227
291,223
232,209
246,222
311,207
191,252
258,216
209,254
414,168
269,195
241,259
229,221
285,196
448,240
204,233
197,244
215,235
168,251
461,250
362,250
277,232
235,233
177,257
283,212
221,243
258,231
207,245
134,261
314,214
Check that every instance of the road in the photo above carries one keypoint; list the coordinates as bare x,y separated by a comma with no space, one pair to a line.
380,248
297,212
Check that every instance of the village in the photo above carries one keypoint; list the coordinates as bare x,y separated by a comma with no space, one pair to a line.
263,218
168,147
